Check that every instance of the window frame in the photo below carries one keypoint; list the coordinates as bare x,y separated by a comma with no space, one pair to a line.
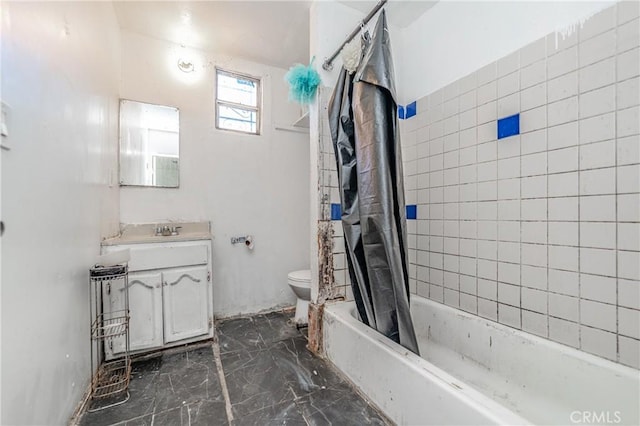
257,109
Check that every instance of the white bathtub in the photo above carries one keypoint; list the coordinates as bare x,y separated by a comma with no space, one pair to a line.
475,371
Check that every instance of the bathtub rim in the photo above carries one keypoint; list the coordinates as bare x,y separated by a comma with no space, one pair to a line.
620,369
498,413
504,414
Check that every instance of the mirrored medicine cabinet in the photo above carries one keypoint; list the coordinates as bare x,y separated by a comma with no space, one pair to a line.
149,145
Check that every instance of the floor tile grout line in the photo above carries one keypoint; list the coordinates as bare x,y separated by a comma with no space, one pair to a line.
288,344
223,383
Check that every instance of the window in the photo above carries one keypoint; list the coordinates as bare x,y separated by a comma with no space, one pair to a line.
237,102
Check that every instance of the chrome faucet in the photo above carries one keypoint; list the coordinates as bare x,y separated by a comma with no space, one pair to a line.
167,230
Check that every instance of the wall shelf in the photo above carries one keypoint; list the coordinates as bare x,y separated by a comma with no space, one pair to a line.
303,121
291,129
301,125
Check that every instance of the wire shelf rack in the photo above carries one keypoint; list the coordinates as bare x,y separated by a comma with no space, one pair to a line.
110,325
110,383
104,273
112,378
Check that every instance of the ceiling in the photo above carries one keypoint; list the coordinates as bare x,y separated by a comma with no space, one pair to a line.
400,13
269,32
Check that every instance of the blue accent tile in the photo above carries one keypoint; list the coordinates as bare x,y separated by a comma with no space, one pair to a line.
509,126
411,110
336,212
400,112
412,211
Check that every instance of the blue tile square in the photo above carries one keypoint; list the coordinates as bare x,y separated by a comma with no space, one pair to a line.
412,211
336,212
509,126
411,110
400,112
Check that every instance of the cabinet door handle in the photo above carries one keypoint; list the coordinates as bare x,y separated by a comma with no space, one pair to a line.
183,276
131,283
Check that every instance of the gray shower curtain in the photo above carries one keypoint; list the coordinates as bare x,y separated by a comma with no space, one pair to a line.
364,130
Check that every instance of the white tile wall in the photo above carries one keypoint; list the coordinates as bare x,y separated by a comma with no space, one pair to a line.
564,282
535,323
340,286
597,288
533,277
539,231
563,136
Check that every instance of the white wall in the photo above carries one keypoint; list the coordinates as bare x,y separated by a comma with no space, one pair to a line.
60,73
243,184
455,38
331,23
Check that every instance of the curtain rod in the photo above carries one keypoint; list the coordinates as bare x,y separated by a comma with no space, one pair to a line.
327,65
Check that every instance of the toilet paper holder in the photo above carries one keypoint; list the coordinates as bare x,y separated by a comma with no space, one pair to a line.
247,240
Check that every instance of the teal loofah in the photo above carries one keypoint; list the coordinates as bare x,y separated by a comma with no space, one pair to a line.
303,82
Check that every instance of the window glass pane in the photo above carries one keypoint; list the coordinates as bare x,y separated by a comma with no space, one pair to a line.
237,89
237,119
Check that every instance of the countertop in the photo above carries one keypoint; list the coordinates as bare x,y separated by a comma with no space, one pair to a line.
145,233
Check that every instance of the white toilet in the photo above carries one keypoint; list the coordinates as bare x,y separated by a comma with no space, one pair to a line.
300,283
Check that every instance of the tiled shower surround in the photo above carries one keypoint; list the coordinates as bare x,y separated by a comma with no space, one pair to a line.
538,231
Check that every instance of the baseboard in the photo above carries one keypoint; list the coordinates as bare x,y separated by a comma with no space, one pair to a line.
82,407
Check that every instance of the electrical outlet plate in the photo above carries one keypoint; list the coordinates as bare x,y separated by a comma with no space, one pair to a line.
5,115
4,120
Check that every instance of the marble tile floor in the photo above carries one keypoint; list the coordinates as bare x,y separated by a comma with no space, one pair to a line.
269,375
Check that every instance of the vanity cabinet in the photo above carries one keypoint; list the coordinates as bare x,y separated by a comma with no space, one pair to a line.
170,295
185,303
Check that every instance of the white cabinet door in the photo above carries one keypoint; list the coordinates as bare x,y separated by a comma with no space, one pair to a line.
145,310
185,303
145,306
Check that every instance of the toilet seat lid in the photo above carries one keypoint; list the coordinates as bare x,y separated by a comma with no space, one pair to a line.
300,276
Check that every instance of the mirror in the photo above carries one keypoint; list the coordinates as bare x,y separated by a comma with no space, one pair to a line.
149,145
